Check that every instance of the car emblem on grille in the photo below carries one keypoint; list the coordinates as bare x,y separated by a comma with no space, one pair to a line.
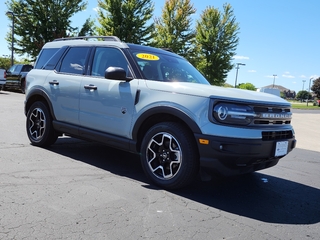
275,115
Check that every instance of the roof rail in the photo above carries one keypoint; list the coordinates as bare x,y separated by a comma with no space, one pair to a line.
167,49
104,38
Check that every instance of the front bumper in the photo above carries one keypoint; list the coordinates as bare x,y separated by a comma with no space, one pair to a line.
231,156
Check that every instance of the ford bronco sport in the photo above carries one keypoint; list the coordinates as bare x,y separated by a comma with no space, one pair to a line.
153,102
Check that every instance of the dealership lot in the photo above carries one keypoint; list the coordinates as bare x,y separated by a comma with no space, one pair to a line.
83,190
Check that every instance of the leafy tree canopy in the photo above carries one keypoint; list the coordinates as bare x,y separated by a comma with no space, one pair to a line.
303,95
126,19
217,36
173,30
316,87
40,21
247,86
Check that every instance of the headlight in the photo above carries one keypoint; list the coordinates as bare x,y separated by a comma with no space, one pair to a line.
233,114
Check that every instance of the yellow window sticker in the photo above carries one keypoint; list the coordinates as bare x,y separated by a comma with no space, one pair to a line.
147,56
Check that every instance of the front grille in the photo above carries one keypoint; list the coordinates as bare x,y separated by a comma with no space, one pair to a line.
271,122
276,135
272,115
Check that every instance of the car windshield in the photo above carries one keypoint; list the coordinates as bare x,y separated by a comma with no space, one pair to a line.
167,68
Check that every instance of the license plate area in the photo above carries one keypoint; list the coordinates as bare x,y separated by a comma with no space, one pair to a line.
281,148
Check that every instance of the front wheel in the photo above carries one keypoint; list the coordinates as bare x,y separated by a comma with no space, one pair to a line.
39,125
169,156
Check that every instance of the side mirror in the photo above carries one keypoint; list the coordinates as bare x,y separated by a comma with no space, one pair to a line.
116,73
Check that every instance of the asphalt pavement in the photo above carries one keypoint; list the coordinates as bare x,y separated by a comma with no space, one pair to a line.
84,190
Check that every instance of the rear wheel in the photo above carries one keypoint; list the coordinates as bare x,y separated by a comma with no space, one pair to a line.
39,125
168,155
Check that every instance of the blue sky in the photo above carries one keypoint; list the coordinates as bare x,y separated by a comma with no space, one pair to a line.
276,37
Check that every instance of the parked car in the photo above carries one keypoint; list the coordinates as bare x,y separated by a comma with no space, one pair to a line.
155,103
16,77
2,78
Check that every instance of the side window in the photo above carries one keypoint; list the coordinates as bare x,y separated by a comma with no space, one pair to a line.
74,61
105,57
44,56
26,68
18,69
53,61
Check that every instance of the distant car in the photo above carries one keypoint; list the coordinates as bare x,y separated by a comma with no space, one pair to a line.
16,77
2,78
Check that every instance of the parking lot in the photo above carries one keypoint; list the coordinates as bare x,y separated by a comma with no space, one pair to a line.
84,190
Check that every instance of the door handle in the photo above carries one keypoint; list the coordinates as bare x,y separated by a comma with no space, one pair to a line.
54,82
90,87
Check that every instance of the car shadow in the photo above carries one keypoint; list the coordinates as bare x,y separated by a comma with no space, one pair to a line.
258,196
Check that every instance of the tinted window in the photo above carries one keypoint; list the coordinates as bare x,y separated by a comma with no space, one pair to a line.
74,61
52,62
26,68
44,56
105,57
15,68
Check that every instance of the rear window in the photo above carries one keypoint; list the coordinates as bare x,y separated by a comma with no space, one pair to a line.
26,68
44,56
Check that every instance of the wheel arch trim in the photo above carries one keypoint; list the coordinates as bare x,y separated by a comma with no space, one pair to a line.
35,94
184,117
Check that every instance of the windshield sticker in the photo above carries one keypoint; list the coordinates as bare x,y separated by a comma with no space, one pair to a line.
147,56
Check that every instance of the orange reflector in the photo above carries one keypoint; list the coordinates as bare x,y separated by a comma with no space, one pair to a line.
203,141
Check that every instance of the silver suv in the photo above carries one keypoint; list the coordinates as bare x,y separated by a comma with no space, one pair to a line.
153,102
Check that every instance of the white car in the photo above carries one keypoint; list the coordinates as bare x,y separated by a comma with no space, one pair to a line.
153,102
2,78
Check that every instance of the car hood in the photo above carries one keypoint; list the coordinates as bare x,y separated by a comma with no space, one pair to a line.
210,91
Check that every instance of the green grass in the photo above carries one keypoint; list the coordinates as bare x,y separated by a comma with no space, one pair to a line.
303,105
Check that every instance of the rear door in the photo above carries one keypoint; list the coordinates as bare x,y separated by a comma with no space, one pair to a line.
63,85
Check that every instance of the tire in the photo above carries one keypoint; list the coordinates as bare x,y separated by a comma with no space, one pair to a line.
39,125
169,156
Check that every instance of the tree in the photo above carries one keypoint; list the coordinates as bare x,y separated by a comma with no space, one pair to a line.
302,95
5,63
126,19
316,87
227,85
173,30
247,86
40,21
217,36
88,28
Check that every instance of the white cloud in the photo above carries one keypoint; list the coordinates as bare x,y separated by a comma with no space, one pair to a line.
252,71
303,76
96,9
287,76
271,76
241,58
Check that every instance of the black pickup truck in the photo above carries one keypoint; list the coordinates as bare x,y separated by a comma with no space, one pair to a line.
16,77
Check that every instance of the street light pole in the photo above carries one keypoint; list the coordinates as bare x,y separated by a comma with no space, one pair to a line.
303,84
274,79
242,64
309,90
12,40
